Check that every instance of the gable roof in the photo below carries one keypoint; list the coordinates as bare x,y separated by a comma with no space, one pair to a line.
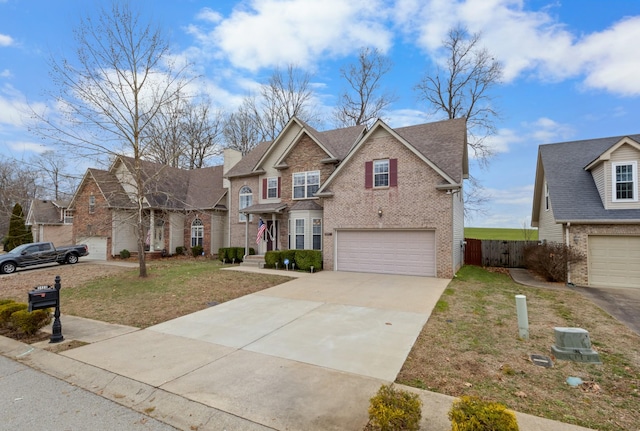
46,212
166,187
336,143
573,194
442,145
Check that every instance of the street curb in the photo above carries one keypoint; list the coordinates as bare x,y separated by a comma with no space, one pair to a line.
159,404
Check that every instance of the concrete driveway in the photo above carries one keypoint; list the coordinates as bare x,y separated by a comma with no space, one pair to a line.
307,354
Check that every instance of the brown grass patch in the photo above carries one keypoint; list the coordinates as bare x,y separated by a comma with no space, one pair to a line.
472,347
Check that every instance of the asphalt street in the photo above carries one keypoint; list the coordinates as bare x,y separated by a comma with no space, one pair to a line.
34,401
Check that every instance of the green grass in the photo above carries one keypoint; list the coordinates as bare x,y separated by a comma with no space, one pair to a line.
501,233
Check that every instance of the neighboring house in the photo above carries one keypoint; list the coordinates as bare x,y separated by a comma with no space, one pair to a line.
50,221
182,208
379,200
587,196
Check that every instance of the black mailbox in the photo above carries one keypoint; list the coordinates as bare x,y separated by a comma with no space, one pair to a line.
43,297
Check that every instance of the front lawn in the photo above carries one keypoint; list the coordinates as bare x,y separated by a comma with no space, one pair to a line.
173,289
470,346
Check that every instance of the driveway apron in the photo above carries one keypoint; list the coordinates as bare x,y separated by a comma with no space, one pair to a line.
307,354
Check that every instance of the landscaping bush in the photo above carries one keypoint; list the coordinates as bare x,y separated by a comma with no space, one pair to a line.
125,254
227,254
473,414
7,310
29,323
271,258
288,254
222,254
392,410
305,259
180,250
196,250
550,260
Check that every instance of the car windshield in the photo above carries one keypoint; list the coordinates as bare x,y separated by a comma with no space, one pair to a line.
19,249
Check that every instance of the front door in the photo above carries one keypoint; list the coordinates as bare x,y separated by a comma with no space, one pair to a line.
272,235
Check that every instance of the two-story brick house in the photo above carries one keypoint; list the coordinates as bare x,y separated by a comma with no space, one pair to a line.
587,196
379,200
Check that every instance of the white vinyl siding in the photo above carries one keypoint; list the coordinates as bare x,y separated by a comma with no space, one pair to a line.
405,252
548,229
626,154
458,230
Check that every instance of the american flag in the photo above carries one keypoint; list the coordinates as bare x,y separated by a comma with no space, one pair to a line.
261,228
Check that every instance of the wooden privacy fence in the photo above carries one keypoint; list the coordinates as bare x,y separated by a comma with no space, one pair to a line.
507,254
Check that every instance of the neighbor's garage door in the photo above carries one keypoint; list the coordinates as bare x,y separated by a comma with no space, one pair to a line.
406,252
614,261
97,248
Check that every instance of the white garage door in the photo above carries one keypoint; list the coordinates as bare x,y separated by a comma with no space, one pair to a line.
614,261
407,252
97,248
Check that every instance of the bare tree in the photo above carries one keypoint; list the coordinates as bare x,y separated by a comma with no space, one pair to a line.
109,94
202,132
364,101
242,129
286,95
184,134
55,181
463,87
17,186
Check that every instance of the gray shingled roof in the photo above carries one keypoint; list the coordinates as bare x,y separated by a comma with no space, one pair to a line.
47,212
572,191
166,187
337,141
442,142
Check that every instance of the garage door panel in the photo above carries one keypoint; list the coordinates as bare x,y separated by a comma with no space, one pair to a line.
97,247
614,261
386,252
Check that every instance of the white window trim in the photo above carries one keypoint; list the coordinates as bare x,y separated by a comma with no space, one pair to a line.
313,219
304,233
388,173
546,196
241,215
197,232
272,188
306,184
634,166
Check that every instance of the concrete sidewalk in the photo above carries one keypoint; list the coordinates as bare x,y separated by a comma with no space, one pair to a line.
307,354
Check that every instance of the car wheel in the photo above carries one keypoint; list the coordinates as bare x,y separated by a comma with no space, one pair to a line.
72,258
7,268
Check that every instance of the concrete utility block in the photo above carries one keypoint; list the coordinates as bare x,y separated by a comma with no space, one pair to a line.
573,344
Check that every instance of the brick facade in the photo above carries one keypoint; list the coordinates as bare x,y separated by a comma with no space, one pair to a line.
237,228
413,204
96,223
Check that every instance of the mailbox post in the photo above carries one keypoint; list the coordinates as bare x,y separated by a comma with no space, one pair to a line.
45,297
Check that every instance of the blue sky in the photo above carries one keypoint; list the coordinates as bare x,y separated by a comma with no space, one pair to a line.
572,68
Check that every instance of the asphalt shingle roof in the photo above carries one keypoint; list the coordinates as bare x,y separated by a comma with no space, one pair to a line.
572,190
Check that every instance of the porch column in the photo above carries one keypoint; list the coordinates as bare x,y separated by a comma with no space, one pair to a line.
152,229
274,238
246,235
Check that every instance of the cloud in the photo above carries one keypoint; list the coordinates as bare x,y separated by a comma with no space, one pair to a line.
6,73
530,43
545,130
269,33
508,208
6,40
24,146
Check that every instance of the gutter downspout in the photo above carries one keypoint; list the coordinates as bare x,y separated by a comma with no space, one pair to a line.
246,235
568,246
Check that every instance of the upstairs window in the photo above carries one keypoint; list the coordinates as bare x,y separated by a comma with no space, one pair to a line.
271,188
546,196
381,173
92,204
305,184
625,178
68,217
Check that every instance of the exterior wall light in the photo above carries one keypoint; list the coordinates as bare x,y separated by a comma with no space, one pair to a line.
379,212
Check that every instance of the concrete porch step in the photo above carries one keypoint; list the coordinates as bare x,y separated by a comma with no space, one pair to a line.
255,260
